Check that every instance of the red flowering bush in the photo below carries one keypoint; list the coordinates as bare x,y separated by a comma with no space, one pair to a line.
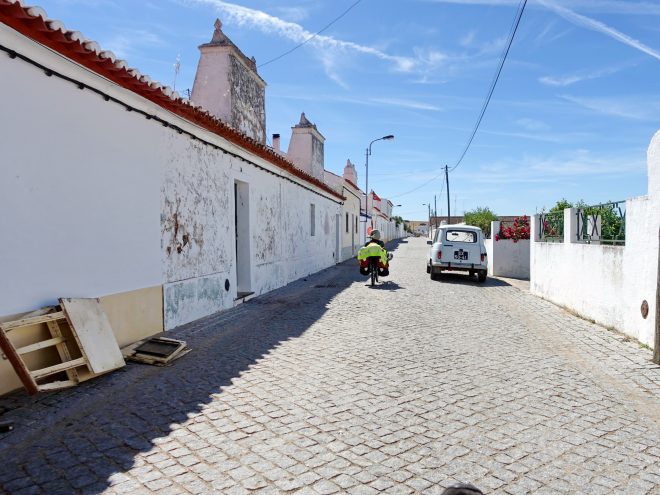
519,230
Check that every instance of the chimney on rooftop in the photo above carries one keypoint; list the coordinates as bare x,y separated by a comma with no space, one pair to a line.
306,148
276,143
227,86
350,173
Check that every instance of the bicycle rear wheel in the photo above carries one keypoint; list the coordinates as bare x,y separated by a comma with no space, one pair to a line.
374,272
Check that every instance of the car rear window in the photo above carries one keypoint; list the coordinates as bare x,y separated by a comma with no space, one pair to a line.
461,236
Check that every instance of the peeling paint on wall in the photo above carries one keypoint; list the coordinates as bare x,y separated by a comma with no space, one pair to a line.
248,109
189,300
197,211
317,158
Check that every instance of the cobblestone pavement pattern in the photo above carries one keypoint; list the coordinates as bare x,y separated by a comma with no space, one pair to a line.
329,386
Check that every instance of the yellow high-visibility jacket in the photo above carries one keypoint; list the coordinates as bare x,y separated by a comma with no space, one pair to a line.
372,249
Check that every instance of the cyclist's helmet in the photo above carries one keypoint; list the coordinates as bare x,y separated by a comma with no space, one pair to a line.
375,234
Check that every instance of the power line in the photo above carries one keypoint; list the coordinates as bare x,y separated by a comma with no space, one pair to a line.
311,37
505,53
521,9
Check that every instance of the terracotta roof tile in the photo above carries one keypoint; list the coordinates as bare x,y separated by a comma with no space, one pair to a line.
353,184
34,23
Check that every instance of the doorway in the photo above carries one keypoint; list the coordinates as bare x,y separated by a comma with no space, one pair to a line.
242,230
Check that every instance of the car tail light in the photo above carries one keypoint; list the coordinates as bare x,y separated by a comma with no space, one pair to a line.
483,256
439,255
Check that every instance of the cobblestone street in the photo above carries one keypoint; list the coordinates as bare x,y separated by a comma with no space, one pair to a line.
330,386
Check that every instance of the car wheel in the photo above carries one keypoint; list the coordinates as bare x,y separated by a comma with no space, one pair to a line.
435,275
481,277
428,268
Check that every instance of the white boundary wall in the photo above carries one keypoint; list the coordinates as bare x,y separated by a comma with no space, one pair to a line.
507,258
97,200
607,283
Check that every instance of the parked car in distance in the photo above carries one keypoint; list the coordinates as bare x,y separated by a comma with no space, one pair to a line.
457,248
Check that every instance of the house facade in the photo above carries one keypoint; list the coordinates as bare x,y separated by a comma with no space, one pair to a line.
352,231
120,189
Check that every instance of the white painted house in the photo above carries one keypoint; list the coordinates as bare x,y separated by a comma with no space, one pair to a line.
112,186
352,231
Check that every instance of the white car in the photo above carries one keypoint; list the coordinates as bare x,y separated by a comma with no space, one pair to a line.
457,248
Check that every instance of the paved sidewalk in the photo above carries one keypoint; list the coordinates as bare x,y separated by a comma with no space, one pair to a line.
329,386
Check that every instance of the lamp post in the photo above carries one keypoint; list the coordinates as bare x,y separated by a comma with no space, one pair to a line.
429,205
389,137
395,227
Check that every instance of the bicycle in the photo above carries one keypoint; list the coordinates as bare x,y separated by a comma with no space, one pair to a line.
373,269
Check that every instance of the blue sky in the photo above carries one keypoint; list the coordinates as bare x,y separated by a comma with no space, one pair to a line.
573,113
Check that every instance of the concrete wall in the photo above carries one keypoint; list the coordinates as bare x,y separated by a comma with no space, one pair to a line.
607,283
104,201
507,258
80,187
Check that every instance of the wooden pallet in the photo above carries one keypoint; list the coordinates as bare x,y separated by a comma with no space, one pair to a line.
92,339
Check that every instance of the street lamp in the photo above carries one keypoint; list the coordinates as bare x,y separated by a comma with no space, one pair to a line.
389,137
429,205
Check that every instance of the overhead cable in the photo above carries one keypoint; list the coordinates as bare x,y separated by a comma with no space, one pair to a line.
521,9
311,37
505,53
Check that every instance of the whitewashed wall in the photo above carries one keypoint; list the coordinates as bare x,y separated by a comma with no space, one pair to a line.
99,200
507,258
607,283
79,190
351,237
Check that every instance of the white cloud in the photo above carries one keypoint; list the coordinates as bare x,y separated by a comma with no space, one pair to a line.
293,14
327,47
596,6
560,167
405,103
532,124
468,38
594,25
568,80
390,101
600,6
634,108
124,44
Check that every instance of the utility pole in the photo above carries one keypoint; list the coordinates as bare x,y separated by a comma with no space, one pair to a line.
435,211
429,225
430,234
448,205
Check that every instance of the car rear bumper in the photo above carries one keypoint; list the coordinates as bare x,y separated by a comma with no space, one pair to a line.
459,267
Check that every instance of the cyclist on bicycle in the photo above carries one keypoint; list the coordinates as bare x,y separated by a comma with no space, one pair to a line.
375,237
374,248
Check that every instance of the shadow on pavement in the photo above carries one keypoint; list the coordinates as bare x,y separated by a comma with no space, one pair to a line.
74,440
386,285
460,278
